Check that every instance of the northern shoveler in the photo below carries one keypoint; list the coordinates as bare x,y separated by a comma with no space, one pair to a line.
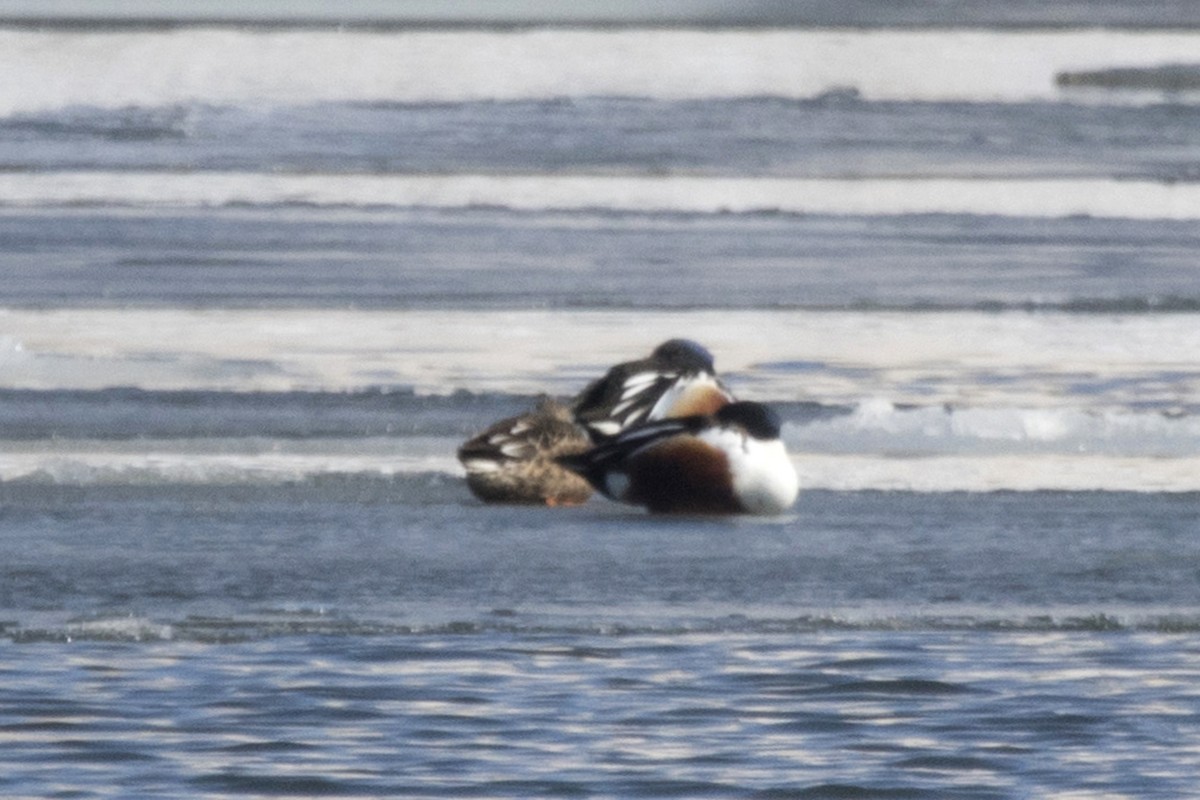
678,379
513,461
729,462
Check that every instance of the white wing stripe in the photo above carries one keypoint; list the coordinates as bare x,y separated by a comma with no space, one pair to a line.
606,427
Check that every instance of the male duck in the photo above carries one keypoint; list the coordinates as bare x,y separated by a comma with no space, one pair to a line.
726,463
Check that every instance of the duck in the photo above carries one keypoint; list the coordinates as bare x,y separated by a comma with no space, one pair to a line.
729,462
677,379
515,460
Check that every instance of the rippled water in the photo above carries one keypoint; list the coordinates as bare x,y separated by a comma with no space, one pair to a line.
355,638
819,714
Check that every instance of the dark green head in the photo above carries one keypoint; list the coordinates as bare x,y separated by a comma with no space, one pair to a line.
756,419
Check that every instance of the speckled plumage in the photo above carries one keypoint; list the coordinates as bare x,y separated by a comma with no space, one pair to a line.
513,461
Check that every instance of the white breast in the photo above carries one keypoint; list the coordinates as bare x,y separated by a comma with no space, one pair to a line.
764,479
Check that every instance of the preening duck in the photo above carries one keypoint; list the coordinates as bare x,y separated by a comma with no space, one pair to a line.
678,379
729,462
513,461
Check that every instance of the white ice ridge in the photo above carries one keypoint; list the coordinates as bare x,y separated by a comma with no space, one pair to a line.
996,473
920,359
878,426
259,68
156,464
220,462
1016,197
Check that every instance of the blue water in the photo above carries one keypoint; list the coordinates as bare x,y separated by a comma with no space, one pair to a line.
396,640
502,260
253,300
493,714
832,135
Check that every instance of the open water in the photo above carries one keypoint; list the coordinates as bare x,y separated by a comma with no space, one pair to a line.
259,280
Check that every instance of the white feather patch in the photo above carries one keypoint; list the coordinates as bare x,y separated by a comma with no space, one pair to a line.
637,414
515,449
639,381
764,478
623,406
606,427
